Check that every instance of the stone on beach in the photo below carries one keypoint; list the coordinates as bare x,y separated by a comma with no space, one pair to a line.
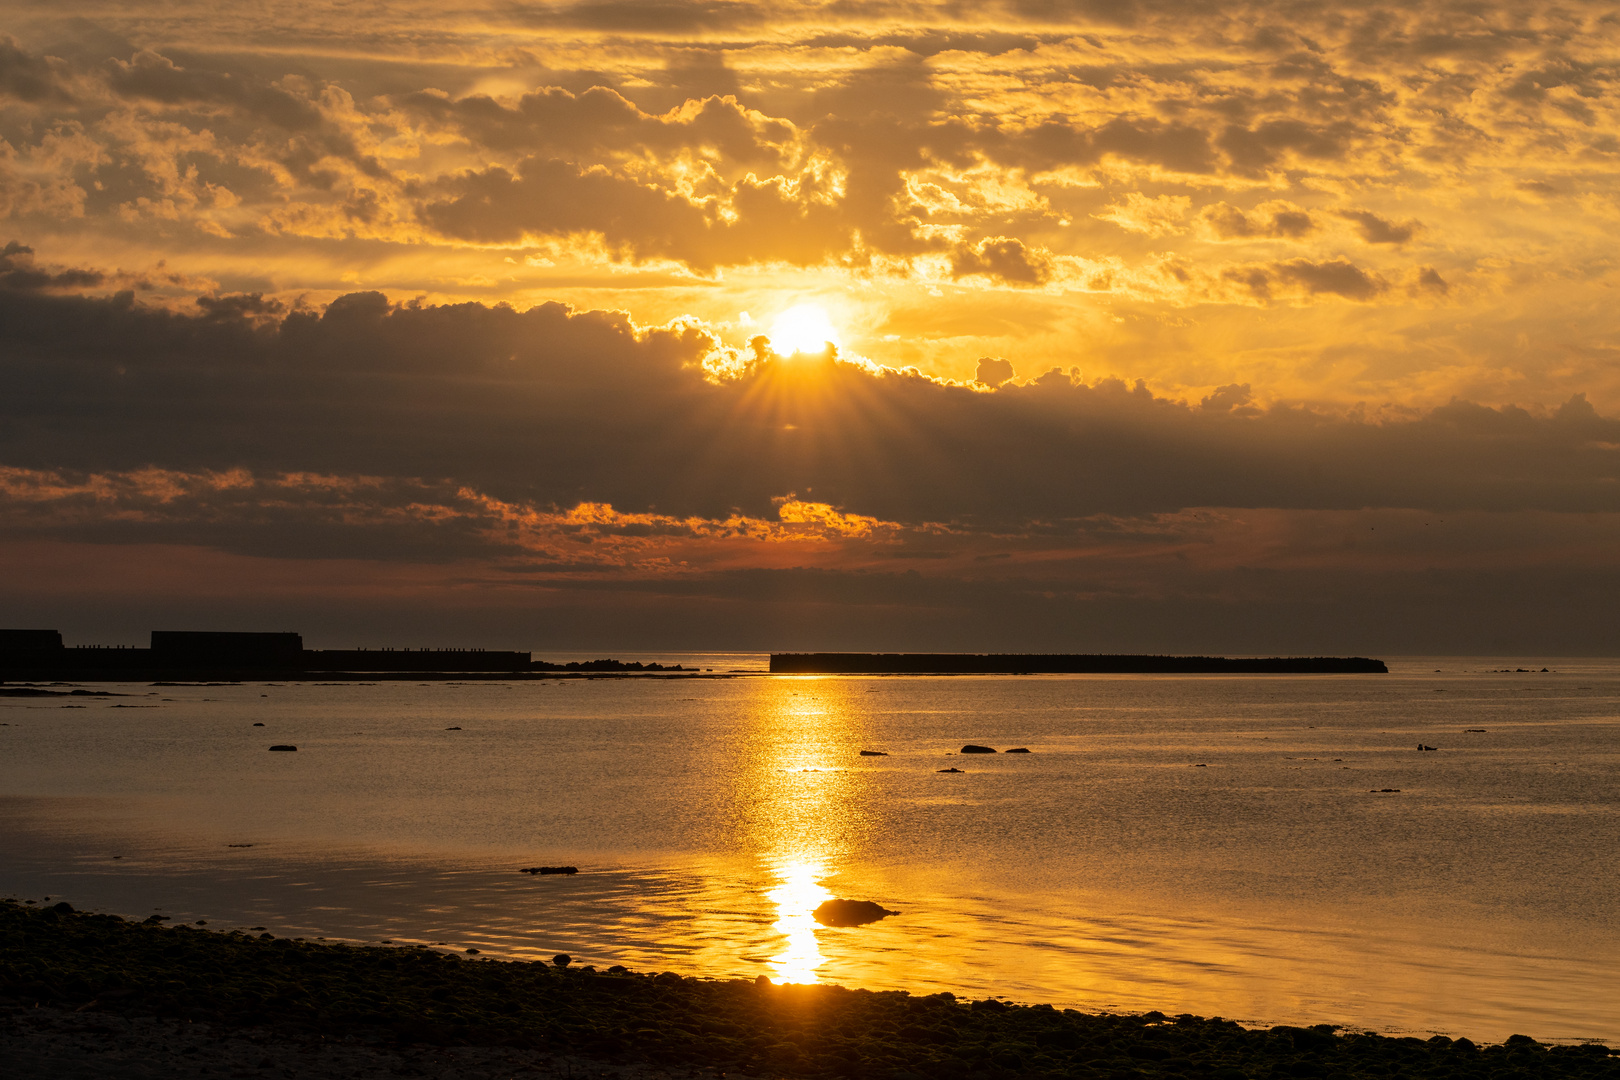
850,913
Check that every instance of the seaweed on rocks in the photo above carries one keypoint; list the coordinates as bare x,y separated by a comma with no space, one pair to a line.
56,956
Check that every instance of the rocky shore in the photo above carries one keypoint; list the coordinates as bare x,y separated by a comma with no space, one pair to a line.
95,995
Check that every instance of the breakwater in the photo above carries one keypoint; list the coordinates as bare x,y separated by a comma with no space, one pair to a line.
1064,664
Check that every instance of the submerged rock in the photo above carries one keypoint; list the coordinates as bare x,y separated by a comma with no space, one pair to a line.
874,753
974,748
850,913
283,746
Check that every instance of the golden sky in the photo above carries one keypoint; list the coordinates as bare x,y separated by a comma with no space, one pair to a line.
1268,326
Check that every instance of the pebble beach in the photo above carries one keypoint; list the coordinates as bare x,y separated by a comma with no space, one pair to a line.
97,995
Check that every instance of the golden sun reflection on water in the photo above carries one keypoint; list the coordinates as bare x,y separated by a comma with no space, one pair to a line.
798,894
807,810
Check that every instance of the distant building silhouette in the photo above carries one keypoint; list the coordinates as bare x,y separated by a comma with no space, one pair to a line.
29,640
207,654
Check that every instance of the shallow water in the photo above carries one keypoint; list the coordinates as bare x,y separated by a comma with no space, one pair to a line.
1192,844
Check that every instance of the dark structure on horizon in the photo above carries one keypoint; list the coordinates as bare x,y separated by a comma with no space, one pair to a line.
1064,664
195,654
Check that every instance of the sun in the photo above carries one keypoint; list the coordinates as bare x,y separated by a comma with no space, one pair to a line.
803,328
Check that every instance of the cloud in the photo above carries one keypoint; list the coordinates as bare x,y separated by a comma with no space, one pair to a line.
17,271
1329,277
1253,151
155,77
1002,259
1226,399
1157,216
1428,280
33,78
1378,230
603,121
1276,219
553,407
648,16
993,371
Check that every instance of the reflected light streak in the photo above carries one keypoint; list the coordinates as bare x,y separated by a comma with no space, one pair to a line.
798,894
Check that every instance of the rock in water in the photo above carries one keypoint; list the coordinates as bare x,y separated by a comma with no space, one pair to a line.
874,753
1020,750
549,870
283,746
947,770
850,913
973,748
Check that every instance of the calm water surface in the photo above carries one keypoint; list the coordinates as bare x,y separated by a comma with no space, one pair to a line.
1221,846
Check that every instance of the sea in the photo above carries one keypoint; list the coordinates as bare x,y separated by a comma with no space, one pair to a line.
1268,849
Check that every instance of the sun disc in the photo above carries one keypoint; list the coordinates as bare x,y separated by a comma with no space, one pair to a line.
803,328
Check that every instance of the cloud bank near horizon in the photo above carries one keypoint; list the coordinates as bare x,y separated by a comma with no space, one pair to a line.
576,453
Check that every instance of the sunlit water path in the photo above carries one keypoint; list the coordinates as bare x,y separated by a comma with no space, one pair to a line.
1211,845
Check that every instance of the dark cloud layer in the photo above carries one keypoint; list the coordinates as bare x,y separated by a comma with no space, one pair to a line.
553,407
577,480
